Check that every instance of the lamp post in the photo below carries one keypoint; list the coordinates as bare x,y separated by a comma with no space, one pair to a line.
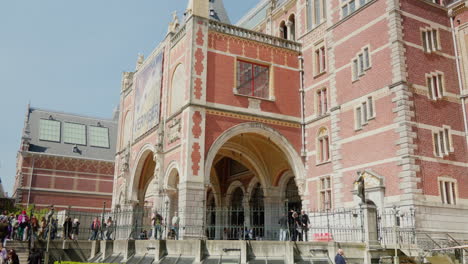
30,231
167,215
49,228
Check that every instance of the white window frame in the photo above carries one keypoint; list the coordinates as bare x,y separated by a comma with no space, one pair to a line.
322,102
311,13
325,192
321,50
442,142
361,63
320,149
357,6
430,43
438,91
364,112
452,198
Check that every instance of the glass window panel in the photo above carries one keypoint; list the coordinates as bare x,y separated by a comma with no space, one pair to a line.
355,70
352,6
358,117
261,81
436,144
244,78
344,10
74,133
361,64
49,130
317,11
99,137
366,58
371,107
309,14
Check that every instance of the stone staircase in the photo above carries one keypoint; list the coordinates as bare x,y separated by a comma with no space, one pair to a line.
21,249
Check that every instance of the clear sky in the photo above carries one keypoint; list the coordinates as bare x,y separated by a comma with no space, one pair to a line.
69,55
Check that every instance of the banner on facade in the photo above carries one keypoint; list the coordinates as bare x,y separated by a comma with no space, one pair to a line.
148,83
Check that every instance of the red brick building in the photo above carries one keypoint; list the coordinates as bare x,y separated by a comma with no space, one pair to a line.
284,108
65,160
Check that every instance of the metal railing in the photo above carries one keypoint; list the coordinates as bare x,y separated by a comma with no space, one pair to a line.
394,226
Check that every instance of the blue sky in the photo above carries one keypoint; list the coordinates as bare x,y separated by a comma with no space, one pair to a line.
69,56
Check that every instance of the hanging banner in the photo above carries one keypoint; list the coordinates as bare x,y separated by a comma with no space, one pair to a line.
148,83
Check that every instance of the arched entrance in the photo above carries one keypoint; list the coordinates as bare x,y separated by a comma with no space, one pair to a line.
243,169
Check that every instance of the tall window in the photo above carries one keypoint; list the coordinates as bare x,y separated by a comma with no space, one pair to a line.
49,130
442,140
320,60
253,79
323,146
322,101
316,13
364,112
430,40
74,133
435,85
448,191
361,63
325,193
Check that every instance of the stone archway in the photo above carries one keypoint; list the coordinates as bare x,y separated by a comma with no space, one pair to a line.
249,158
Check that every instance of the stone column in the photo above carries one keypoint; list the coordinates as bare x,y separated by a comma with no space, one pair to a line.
192,210
289,25
273,210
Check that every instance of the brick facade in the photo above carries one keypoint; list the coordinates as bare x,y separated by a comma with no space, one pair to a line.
369,102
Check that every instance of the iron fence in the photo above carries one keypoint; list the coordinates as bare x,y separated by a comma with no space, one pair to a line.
341,225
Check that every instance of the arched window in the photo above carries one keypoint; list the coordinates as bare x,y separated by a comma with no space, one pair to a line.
323,146
177,89
291,25
283,30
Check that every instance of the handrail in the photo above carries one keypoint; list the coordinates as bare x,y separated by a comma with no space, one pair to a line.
433,241
254,35
456,241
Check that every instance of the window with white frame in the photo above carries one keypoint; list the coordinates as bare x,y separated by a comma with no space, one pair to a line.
435,85
322,101
350,6
320,59
325,193
364,112
442,141
49,130
361,63
316,13
430,40
448,190
323,146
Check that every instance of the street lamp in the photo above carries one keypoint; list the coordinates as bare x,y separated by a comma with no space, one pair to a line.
49,228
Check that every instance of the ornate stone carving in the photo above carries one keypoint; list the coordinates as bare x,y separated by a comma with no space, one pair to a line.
125,160
174,130
140,60
174,25
127,80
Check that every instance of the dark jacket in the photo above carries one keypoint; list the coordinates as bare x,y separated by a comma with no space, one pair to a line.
339,259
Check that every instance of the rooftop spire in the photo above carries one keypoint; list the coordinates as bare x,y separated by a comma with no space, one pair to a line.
213,9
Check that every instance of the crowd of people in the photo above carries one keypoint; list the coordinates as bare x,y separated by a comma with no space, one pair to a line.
294,226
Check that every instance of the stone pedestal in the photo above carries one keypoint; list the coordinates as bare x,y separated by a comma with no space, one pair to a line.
370,231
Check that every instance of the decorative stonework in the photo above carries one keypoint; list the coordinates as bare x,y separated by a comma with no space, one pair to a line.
199,57
196,129
253,118
198,88
196,156
254,103
200,36
173,133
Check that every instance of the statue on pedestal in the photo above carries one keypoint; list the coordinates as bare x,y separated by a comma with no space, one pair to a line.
361,188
